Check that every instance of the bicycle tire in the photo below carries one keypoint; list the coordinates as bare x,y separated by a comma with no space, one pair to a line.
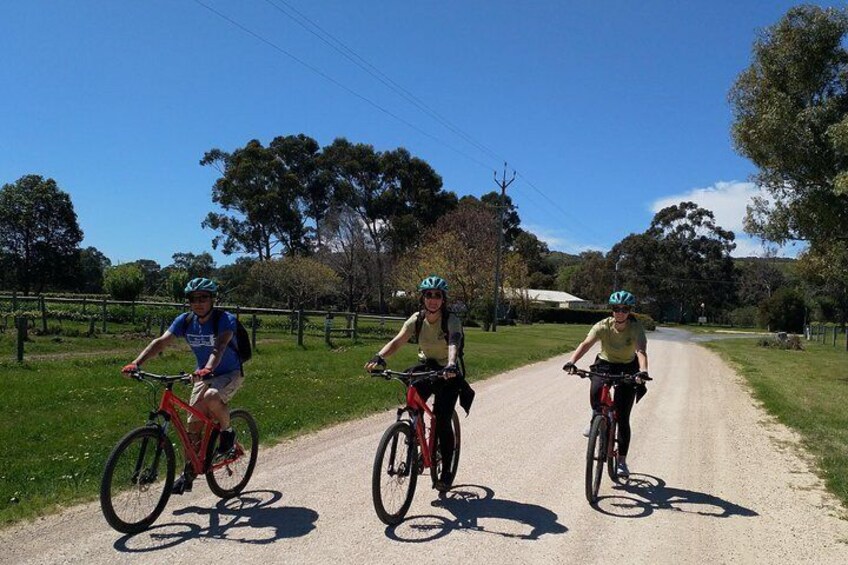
595,458
228,478
436,456
132,468
393,481
612,454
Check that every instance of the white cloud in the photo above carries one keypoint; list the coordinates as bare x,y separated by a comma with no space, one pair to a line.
727,200
557,241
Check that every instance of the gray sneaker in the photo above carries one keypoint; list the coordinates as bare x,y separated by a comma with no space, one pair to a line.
587,429
622,470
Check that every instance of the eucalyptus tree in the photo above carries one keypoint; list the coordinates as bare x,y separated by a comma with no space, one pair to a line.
39,233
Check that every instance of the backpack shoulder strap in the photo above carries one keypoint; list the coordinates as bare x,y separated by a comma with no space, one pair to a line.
419,322
216,319
187,321
445,318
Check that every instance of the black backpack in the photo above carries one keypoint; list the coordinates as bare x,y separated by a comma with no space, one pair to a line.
460,347
242,348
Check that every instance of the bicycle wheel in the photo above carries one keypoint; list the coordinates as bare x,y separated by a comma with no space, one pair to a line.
395,473
612,451
137,480
436,456
227,475
595,457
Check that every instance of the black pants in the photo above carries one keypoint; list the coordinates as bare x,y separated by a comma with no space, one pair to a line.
446,393
623,397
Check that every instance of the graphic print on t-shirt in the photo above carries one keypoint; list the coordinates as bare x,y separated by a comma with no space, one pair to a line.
196,340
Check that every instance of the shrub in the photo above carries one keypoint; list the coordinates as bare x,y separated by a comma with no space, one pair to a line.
783,311
789,342
124,282
746,316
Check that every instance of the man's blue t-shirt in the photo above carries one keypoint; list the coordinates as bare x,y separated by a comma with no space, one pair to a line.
201,339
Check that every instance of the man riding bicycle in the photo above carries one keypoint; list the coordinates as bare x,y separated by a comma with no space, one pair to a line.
439,336
623,351
219,372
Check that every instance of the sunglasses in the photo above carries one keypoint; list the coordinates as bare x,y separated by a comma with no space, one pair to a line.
624,309
431,294
199,298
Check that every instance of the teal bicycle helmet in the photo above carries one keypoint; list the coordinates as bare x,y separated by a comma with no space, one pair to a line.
434,282
201,284
622,298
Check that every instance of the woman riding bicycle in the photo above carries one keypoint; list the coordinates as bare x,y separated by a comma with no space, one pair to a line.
623,351
439,349
216,351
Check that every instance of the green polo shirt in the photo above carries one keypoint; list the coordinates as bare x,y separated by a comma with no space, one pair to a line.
619,346
432,341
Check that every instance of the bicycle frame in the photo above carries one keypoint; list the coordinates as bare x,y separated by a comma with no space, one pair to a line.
609,412
169,407
419,410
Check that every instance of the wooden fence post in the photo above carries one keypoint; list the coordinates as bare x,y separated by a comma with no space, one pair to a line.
132,315
43,315
21,324
91,326
328,326
14,301
300,326
84,301
253,324
355,325
148,322
104,315
162,324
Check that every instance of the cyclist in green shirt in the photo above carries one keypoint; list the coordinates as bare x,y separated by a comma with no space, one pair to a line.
439,337
623,351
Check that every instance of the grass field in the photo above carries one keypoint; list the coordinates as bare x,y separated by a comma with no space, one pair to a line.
61,414
807,391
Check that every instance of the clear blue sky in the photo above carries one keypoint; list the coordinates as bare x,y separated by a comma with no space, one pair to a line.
607,109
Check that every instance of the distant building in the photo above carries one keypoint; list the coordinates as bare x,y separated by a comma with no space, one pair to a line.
551,298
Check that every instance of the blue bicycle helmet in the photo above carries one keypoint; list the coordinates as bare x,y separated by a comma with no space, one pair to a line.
201,284
434,282
622,298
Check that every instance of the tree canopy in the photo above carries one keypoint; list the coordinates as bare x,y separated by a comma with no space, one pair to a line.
791,119
39,233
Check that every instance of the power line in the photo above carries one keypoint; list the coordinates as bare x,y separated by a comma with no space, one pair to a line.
375,72
339,84
340,47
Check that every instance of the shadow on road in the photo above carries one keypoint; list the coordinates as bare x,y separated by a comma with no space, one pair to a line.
475,508
646,494
248,518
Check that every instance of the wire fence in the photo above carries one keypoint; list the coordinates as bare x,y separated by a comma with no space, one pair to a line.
827,334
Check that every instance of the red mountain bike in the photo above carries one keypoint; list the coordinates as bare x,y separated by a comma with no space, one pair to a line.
408,447
139,472
602,447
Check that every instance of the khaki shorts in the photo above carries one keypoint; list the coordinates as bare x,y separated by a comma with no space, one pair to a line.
225,385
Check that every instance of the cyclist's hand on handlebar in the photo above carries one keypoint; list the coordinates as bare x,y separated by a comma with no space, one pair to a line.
570,368
376,363
450,370
641,377
129,369
201,374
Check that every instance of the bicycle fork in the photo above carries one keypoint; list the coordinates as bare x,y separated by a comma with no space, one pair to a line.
405,467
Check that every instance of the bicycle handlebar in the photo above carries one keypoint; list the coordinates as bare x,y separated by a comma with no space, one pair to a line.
407,377
622,378
140,375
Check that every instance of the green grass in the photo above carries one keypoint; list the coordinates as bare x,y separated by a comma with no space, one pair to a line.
807,391
708,329
61,417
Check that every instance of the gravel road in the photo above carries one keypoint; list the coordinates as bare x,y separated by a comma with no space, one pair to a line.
715,480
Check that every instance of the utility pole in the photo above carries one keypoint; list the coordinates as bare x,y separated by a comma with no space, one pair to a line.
503,183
